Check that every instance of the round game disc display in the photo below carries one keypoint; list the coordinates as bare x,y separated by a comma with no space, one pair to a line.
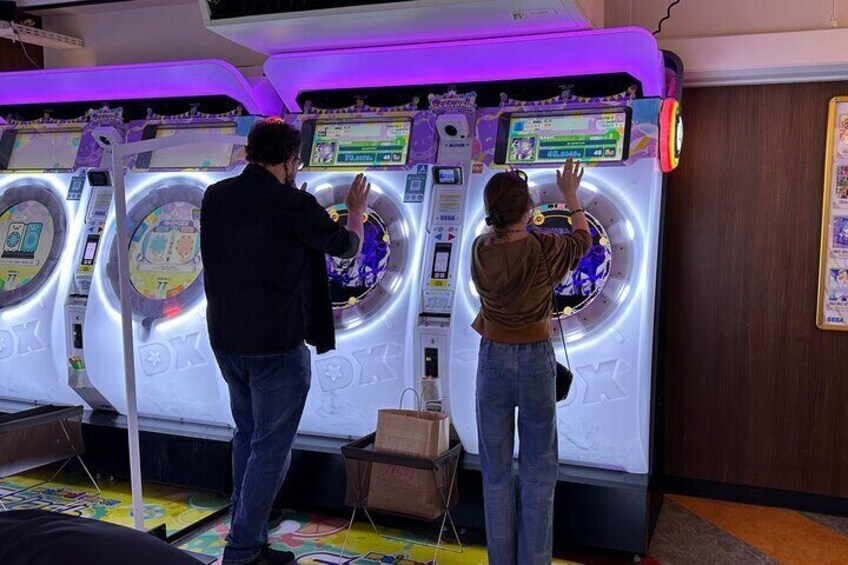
164,253
352,280
596,289
360,288
585,283
32,228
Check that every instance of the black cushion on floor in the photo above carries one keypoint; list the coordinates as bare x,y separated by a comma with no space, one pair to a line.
35,537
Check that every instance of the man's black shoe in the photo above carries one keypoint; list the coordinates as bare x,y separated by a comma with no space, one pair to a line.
273,557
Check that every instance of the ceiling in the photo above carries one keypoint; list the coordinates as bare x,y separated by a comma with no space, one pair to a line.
690,18
34,3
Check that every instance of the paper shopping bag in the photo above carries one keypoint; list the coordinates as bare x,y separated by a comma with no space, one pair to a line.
405,490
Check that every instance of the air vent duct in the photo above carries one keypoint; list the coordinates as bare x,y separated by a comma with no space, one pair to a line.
279,26
226,9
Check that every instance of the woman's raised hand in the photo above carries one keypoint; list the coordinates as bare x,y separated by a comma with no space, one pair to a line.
568,180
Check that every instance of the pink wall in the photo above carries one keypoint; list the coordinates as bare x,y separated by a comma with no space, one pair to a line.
701,18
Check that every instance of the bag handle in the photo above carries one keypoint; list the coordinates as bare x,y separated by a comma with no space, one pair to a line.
553,300
417,397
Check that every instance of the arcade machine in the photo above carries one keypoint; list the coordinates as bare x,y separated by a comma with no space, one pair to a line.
606,305
598,96
44,201
403,152
606,309
177,377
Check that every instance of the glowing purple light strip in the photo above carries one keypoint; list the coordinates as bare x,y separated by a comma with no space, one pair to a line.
628,50
136,82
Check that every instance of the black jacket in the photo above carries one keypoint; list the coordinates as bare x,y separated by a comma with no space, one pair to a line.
263,246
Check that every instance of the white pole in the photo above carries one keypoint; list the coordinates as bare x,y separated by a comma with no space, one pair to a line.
127,333
119,152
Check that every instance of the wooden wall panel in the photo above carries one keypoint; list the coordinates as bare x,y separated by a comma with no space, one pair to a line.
755,394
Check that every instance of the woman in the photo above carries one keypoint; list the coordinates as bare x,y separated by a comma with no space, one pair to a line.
515,272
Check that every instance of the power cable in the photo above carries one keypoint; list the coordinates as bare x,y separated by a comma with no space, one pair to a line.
667,16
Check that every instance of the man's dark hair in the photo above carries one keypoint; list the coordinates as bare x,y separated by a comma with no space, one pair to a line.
272,141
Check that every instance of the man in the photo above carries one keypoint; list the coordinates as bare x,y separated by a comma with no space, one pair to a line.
263,242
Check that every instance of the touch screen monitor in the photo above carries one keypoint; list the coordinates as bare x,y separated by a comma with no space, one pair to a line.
581,286
164,252
351,280
32,236
40,149
27,230
192,156
353,144
591,137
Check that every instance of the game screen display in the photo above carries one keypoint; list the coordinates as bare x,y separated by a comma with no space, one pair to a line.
585,283
39,150
351,280
195,155
594,137
165,251
373,144
27,232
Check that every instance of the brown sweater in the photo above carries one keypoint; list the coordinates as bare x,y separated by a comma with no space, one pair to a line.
515,285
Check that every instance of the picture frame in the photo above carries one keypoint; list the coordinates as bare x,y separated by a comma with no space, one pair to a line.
832,305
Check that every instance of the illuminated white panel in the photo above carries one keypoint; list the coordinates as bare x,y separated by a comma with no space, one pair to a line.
605,420
33,362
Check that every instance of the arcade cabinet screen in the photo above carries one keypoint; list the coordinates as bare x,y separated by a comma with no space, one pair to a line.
39,150
356,144
201,155
593,137
351,280
165,251
27,232
584,284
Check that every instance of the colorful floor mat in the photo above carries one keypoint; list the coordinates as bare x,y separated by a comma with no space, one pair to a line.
75,495
690,531
318,540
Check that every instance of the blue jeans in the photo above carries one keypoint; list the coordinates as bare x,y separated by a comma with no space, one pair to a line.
267,395
519,529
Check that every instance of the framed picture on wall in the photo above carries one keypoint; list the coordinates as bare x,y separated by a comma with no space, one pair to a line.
833,263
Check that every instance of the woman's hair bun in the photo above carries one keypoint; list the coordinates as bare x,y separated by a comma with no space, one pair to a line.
495,218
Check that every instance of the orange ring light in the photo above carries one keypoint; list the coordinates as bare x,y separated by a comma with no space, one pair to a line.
671,134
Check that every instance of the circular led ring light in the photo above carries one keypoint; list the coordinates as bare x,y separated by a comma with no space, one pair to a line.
620,272
671,134
29,194
390,218
181,193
